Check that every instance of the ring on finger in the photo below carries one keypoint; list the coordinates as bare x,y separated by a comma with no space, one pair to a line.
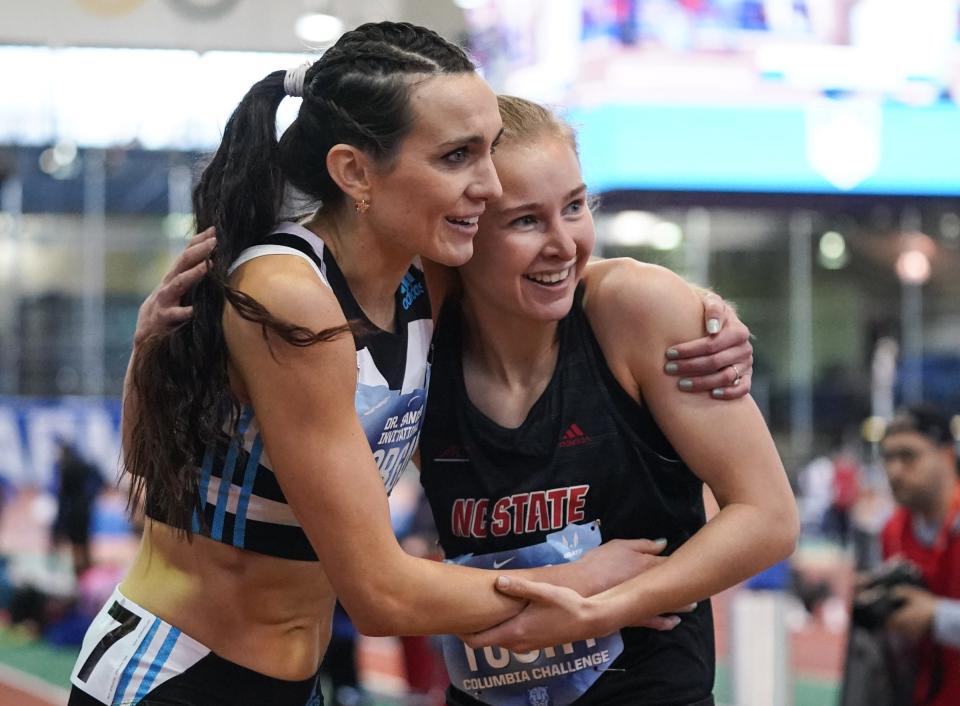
739,377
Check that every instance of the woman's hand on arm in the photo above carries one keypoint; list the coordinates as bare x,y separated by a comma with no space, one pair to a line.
558,610
555,615
607,565
161,310
719,363
599,569
304,400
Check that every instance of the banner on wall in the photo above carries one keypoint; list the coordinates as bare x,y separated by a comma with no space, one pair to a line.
31,428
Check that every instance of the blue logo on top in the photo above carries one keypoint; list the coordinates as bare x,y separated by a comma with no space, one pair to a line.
410,288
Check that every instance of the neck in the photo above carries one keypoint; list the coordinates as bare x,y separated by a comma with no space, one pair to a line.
373,269
513,353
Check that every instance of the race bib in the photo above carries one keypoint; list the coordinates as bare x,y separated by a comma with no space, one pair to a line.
553,676
391,422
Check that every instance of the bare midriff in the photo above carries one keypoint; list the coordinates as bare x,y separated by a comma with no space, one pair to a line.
267,614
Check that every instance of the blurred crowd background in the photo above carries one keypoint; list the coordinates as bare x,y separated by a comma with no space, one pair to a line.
799,156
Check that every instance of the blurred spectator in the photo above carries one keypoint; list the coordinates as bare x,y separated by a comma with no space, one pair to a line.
845,490
422,659
868,517
79,484
815,482
920,458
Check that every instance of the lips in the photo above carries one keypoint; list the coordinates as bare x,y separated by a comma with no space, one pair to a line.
466,221
549,278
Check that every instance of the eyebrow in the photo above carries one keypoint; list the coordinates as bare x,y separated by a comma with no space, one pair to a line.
533,204
471,140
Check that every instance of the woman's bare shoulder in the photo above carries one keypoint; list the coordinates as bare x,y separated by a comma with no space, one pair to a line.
289,288
640,300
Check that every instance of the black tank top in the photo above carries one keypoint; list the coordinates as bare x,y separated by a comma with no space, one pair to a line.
243,504
586,451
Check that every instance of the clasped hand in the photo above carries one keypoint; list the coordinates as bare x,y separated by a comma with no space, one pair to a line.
556,615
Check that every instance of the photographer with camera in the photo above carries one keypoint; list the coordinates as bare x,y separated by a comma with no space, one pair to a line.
921,542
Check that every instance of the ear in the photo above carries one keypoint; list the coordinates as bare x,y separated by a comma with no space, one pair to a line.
351,169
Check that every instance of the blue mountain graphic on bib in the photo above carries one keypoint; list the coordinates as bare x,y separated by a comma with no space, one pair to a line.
391,422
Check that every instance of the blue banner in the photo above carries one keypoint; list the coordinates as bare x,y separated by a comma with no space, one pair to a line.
30,429
826,147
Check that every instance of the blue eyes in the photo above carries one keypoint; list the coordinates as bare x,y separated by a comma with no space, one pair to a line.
524,221
573,208
460,155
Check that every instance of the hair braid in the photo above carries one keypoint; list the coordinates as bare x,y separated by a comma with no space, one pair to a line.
358,93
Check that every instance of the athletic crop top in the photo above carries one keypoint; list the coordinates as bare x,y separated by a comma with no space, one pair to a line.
585,452
243,504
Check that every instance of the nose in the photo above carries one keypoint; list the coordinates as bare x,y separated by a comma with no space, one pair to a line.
561,243
894,470
486,186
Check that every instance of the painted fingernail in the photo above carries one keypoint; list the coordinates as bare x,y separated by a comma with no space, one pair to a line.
503,582
713,326
672,353
685,384
661,540
671,368
717,392
673,621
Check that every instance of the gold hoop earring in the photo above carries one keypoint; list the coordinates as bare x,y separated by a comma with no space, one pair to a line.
361,206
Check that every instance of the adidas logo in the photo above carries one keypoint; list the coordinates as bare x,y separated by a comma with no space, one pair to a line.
573,436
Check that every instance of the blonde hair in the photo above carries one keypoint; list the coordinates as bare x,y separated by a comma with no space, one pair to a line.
525,119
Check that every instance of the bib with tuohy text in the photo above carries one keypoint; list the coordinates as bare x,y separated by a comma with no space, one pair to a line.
553,676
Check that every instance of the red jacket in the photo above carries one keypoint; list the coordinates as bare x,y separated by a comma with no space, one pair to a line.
940,565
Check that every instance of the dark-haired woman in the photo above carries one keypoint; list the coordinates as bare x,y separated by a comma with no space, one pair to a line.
251,429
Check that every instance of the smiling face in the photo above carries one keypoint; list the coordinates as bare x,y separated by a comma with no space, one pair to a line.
535,240
428,198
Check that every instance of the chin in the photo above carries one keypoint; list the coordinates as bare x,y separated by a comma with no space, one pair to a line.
451,256
553,312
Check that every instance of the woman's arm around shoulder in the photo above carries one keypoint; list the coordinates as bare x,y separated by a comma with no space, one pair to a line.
304,401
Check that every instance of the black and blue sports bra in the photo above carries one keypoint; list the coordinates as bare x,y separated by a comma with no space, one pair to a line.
243,504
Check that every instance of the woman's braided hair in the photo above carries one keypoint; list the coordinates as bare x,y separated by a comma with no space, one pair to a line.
358,93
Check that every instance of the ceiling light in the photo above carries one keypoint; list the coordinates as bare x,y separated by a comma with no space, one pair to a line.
317,28
666,236
833,251
913,267
631,228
